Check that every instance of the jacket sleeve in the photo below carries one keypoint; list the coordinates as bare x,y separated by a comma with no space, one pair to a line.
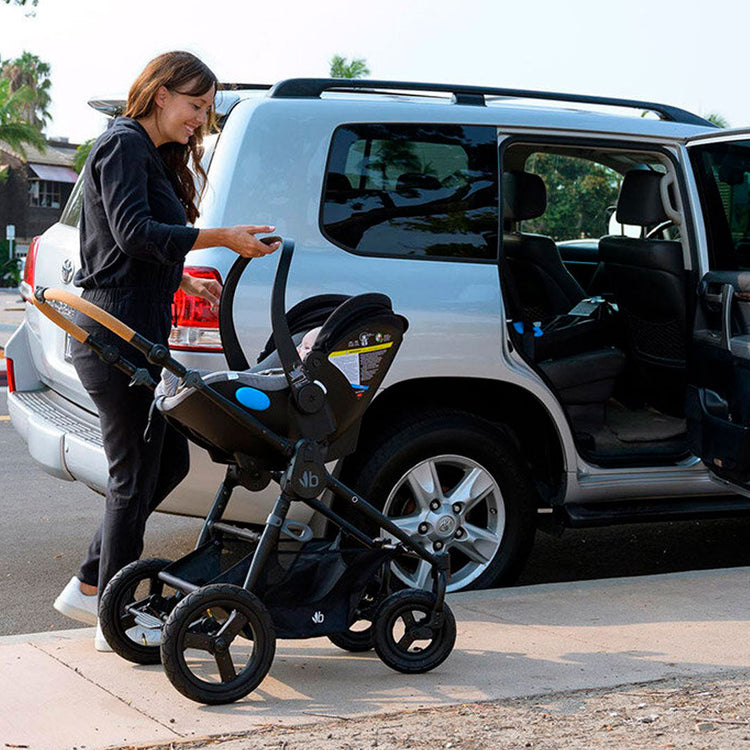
121,166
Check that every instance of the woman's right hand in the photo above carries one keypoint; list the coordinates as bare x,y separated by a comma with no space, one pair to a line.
239,238
243,241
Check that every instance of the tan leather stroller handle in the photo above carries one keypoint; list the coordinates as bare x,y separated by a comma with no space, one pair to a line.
87,308
60,320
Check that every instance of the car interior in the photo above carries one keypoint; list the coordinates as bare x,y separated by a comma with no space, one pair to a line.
597,285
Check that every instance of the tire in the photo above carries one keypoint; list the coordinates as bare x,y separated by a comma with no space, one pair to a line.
199,623
403,641
139,582
489,534
355,641
361,639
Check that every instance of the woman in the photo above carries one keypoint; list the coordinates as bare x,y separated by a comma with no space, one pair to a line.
139,194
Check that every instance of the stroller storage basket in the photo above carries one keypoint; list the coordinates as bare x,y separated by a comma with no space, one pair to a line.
309,590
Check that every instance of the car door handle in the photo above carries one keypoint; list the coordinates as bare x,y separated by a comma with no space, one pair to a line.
727,296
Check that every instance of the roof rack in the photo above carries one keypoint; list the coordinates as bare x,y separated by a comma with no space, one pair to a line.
473,95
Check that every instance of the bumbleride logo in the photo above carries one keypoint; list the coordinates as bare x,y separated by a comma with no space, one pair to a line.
318,618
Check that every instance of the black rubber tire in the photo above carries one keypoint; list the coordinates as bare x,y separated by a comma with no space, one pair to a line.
458,433
254,620
355,641
399,609
118,593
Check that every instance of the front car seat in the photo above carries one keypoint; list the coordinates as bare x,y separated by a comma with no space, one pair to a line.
649,282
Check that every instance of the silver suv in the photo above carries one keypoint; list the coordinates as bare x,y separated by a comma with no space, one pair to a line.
579,341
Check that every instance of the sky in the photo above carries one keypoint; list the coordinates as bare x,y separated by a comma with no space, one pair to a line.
681,52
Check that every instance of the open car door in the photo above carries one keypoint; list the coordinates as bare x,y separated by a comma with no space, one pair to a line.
718,394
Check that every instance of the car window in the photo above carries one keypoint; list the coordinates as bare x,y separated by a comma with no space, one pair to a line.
723,174
580,194
71,215
413,191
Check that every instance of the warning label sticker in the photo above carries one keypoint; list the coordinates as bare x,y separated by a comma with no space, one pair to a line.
361,364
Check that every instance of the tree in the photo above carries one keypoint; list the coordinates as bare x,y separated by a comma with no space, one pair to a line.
15,130
20,2
82,153
30,72
340,68
578,194
719,120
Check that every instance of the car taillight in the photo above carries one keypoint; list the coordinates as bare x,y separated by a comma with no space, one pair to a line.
11,376
195,327
30,263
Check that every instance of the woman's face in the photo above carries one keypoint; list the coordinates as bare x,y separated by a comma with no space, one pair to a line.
182,114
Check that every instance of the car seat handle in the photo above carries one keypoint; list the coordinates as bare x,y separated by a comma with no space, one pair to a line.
308,395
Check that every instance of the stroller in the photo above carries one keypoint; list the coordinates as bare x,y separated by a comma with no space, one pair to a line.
221,607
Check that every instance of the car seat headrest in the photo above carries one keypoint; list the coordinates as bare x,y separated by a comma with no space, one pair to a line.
640,202
349,315
524,195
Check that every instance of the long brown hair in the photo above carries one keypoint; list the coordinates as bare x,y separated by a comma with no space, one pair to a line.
184,73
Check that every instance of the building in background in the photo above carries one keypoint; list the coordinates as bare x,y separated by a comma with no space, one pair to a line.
34,188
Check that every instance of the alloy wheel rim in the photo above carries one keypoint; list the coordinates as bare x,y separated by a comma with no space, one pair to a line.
449,503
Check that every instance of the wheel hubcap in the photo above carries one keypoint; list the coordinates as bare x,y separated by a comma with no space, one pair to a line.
448,503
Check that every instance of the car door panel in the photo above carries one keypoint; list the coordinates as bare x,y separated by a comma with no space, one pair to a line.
718,395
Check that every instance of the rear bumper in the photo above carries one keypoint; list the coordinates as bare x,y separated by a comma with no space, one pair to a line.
64,439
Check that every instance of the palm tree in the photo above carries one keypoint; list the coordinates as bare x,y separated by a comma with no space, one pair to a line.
340,68
719,120
29,71
15,130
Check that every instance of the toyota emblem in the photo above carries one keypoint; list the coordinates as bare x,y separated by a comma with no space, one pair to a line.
67,271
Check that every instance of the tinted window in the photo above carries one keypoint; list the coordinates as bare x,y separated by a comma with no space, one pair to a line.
413,190
723,174
72,213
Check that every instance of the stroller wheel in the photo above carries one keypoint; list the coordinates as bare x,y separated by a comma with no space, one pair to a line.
218,644
133,608
405,640
354,640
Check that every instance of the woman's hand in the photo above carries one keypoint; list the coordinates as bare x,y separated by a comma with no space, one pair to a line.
208,289
243,241
240,238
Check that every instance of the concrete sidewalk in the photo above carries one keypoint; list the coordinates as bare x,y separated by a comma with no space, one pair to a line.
59,693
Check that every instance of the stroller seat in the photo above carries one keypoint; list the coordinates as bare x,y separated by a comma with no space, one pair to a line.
348,361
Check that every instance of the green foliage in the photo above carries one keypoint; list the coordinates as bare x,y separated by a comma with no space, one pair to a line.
719,120
82,153
21,2
340,68
29,72
10,268
15,130
578,194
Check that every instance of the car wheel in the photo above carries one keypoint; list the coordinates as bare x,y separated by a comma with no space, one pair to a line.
454,483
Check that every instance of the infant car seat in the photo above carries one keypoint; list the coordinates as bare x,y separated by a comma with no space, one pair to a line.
322,398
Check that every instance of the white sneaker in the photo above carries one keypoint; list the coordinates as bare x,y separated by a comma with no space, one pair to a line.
100,642
74,604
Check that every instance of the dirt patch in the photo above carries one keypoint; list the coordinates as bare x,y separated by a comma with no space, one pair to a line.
707,712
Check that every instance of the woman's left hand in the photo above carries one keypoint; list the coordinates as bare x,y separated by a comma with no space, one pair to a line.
208,289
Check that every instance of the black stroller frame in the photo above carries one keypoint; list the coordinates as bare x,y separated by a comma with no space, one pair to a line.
228,571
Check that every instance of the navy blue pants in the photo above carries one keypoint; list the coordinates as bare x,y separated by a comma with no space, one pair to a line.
143,470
